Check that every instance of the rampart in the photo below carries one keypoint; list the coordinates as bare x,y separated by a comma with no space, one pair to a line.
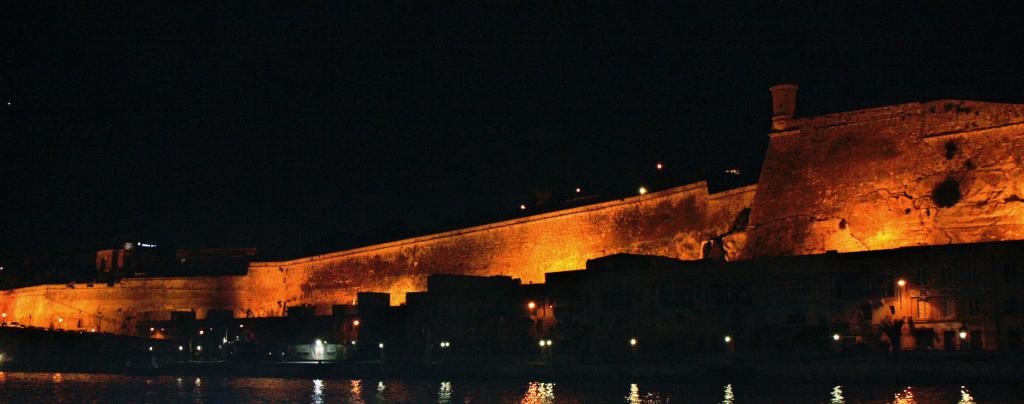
906,175
675,222
913,174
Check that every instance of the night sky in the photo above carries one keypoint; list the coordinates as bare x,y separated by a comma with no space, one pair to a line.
304,129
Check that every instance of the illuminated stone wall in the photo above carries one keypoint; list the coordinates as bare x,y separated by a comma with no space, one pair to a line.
912,174
117,308
675,222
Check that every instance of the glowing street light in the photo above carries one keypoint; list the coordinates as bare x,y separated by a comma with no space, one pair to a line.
150,349
180,348
632,342
522,207
60,320
659,166
901,282
241,326
380,345
836,337
578,190
531,305
201,332
151,329
355,323
4,315
642,190
199,348
963,334
728,339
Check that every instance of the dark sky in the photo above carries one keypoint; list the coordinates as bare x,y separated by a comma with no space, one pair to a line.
318,127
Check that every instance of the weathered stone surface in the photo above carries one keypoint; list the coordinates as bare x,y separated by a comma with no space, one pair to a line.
674,222
913,174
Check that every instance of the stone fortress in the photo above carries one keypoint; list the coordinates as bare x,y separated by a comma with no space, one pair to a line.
915,174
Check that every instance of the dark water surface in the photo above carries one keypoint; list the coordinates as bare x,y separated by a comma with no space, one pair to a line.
18,387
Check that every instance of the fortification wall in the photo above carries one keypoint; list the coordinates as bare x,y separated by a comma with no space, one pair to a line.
118,307
913,174
675,223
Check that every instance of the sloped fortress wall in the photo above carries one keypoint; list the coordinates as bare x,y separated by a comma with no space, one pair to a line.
675,223
931,173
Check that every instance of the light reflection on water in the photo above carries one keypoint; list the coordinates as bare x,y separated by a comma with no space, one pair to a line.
76,387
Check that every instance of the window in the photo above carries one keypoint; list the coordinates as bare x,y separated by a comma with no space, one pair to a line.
970,307
672,297
948,308
922,276
922,309
796,318
947,276
1010,272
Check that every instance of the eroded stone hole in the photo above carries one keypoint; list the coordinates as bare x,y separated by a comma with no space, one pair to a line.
947,193
950,150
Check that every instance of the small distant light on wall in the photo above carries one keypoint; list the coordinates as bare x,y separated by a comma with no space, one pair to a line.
728,339
4,315
60,320
836,337
901,282
963,334
241,326
380,345
150,349
181,348
659,166
733,171
199,348
578,190
201,332
92,330
531,305
319,342
542,343
522,207
642,190
355,323
151,329
224,340
632,342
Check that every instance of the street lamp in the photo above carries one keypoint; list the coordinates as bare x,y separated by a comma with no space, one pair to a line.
901,282
728,339
632,342
531,305
201,332
963,334
836,337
